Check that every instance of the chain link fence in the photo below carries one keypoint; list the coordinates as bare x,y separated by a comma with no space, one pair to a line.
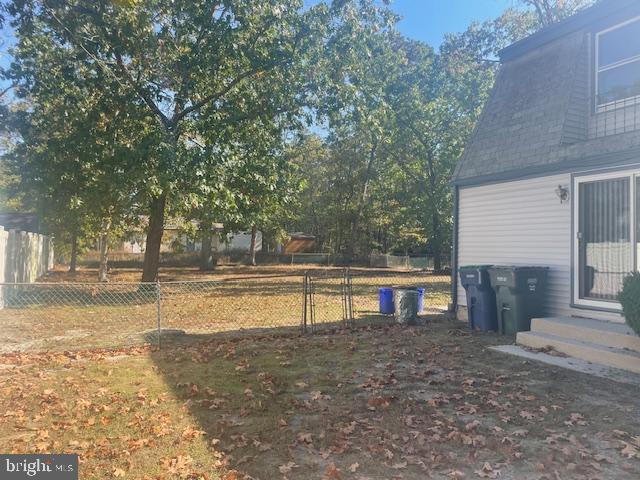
72,316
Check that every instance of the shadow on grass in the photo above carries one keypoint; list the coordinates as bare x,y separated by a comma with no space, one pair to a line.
245,387
253,391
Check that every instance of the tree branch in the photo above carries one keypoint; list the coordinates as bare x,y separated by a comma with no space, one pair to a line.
214,96
6,90
144,95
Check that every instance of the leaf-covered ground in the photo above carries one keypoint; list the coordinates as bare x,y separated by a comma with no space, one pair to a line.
424,402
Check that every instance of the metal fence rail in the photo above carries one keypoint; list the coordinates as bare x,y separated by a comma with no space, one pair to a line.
71,316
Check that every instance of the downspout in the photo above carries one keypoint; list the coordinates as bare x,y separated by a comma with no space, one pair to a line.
453,306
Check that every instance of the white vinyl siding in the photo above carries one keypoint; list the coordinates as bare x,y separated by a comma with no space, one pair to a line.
522,223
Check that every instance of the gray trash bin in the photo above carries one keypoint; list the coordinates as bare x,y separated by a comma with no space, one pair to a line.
406,302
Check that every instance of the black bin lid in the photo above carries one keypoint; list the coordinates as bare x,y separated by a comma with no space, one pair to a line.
474,275
513,275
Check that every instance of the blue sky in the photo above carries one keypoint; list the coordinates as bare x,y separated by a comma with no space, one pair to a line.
429,20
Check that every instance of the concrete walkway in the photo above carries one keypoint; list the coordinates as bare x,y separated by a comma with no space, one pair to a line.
571,363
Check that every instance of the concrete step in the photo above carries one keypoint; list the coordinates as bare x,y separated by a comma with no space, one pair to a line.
610,334
596,353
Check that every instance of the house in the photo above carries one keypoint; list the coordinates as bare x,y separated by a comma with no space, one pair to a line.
299,242
180,238
551,175
26,222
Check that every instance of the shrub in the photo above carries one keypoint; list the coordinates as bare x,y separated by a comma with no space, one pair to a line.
630,300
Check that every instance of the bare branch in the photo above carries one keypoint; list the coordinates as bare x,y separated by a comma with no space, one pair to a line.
6,90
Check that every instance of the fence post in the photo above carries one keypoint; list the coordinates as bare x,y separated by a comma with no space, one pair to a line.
350,295
158,313
303,323
342,296
312,305
347,297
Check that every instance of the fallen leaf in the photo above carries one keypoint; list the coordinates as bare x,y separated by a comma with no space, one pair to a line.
332,472
118,472
287,467
472,425
527,415
487,471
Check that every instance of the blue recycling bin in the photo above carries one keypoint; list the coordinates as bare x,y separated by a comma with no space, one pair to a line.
386,301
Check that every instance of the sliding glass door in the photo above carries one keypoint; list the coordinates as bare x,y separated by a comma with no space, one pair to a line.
606,227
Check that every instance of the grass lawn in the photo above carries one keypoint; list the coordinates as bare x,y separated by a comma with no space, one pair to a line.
412,403
68,313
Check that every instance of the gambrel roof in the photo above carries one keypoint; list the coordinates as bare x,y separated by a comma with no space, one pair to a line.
537,118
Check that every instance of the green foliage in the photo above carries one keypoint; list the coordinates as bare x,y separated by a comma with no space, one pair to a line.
552,11
630,299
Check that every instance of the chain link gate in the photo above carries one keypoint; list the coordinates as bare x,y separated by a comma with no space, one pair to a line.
347,298
309,290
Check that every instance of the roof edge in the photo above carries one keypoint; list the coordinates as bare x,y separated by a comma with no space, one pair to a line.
569,25
613,160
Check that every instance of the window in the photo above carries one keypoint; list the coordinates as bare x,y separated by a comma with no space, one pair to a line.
618,63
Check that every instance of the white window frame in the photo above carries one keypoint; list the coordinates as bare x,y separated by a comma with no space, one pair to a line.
632,175
624,102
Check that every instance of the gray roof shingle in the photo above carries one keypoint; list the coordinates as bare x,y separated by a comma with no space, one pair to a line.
537,116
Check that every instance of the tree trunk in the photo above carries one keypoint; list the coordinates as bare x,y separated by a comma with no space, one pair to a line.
104,252
355,224
206,257
437,243
252,246
154,239
73,263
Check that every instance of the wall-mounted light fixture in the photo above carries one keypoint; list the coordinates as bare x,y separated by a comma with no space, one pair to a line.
563,193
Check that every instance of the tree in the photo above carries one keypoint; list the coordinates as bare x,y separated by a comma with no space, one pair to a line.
187,66
258,185
356,108
74,142
69,178
552,11
397,124
398,118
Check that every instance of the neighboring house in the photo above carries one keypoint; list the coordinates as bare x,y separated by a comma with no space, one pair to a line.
26,222
238,242
551,175
299,242
175,239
